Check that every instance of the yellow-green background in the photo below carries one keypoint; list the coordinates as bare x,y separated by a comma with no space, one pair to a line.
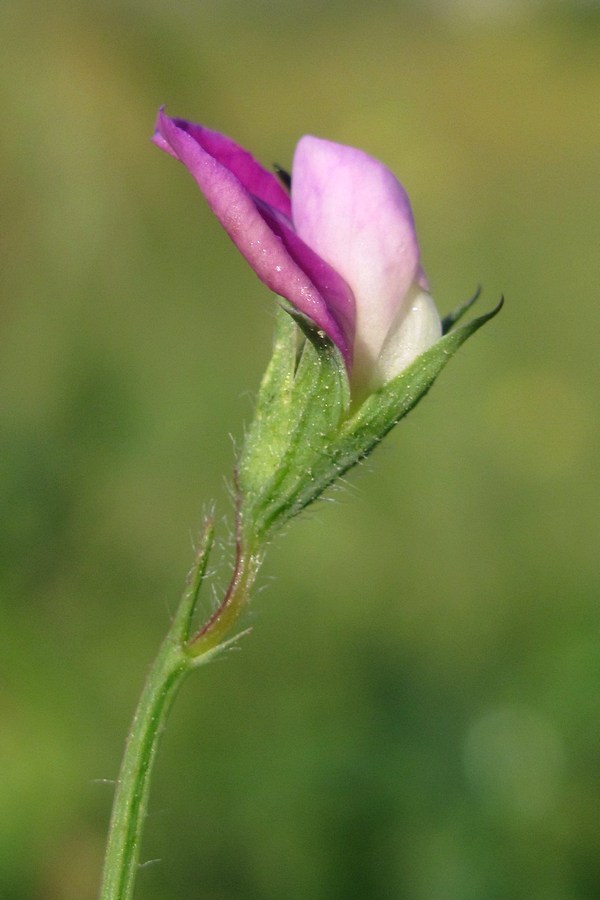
417,712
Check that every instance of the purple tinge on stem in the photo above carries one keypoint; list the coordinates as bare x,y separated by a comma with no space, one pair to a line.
342,249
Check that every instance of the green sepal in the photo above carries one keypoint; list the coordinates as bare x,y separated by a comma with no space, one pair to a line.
450,320
303,398
384,408
305,435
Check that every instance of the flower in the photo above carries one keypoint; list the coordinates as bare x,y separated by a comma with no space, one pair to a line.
341,247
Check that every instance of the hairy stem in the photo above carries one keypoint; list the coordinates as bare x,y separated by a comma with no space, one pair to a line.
133,785
177,655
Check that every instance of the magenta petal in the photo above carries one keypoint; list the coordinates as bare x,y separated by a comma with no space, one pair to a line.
259,229
257,180
330,285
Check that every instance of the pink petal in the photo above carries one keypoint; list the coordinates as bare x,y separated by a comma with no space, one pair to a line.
239,197
353,212
415,330
257,180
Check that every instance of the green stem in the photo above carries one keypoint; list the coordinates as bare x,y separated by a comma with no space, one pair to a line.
170,667
178,654
133,786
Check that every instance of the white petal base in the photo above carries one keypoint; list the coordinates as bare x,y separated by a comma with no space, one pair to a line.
416,328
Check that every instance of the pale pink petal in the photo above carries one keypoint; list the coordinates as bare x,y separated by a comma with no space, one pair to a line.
353,212
415,329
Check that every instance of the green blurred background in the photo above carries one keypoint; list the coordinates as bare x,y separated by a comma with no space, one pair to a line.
416,714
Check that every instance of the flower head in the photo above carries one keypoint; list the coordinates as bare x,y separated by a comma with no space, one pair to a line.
341,249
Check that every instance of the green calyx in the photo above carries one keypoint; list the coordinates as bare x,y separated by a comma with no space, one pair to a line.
305,433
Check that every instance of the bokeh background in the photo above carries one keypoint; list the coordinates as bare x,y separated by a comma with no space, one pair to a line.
416,714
